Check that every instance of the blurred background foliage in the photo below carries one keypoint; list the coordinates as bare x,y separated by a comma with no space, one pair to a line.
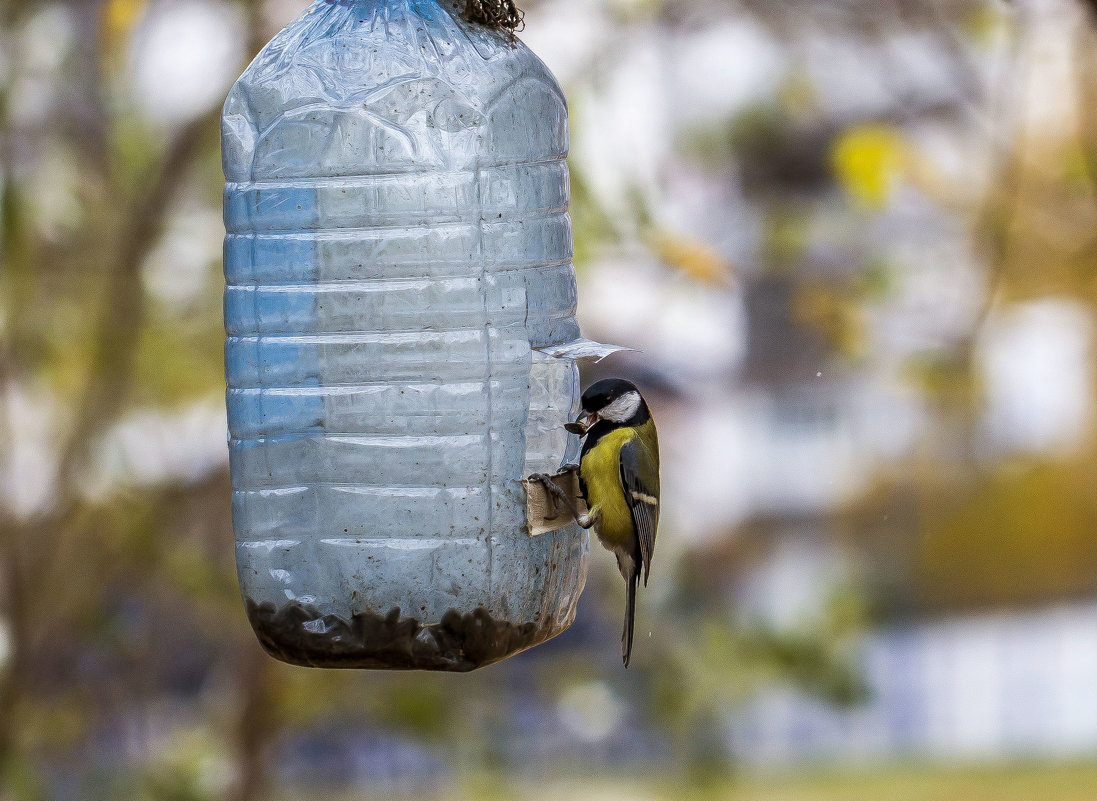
855,241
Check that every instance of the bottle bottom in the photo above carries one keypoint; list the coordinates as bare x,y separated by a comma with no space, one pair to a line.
301,635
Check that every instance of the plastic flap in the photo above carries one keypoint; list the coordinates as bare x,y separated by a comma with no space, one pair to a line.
581,349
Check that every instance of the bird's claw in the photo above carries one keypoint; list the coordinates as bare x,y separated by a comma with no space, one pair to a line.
552,511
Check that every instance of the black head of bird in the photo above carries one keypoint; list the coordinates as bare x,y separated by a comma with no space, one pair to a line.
613,401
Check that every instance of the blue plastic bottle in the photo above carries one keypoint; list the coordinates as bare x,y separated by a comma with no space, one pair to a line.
397,246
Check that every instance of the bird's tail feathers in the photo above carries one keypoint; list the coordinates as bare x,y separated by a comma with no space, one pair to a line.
632,581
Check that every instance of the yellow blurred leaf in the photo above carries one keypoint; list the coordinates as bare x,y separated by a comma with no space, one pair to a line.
834,313
867,160
120,17
699,261
983,23
1021,536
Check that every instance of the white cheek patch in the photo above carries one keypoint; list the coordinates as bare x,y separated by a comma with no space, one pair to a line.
622,409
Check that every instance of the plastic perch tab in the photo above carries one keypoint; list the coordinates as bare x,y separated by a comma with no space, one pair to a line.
545,513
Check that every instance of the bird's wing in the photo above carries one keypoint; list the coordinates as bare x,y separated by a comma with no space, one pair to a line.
640,479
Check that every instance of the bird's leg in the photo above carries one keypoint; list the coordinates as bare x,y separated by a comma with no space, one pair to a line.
551,489
552,511
552,495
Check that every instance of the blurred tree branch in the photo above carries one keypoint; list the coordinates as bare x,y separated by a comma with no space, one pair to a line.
1085,74
254,727
34,551
31,546
122,311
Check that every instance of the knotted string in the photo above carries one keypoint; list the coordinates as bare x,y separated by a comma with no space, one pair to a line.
500,15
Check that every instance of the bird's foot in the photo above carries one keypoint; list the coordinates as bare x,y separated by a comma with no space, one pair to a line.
552,492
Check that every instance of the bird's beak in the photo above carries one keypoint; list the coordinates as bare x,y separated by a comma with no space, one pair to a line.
582,425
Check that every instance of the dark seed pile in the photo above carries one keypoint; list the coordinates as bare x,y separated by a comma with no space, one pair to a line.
301,635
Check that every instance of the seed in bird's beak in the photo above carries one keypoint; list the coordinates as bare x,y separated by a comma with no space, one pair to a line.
583,424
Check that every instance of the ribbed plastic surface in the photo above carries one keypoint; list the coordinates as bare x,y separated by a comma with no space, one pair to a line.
397,244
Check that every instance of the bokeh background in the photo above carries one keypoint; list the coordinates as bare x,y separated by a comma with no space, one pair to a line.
856,243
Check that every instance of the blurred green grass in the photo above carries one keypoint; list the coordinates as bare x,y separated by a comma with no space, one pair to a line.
1028,782
908,782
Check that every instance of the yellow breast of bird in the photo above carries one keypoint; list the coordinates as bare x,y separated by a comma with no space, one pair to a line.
601,472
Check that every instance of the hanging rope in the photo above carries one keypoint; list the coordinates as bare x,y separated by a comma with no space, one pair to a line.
499,15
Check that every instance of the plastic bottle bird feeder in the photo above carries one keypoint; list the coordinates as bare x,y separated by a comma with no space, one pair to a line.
401,339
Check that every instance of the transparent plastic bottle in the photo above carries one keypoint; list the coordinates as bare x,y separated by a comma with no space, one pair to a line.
398,246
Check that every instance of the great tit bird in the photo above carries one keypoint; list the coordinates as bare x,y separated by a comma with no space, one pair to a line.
619,479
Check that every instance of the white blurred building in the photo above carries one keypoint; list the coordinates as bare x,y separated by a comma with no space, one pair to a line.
976,688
